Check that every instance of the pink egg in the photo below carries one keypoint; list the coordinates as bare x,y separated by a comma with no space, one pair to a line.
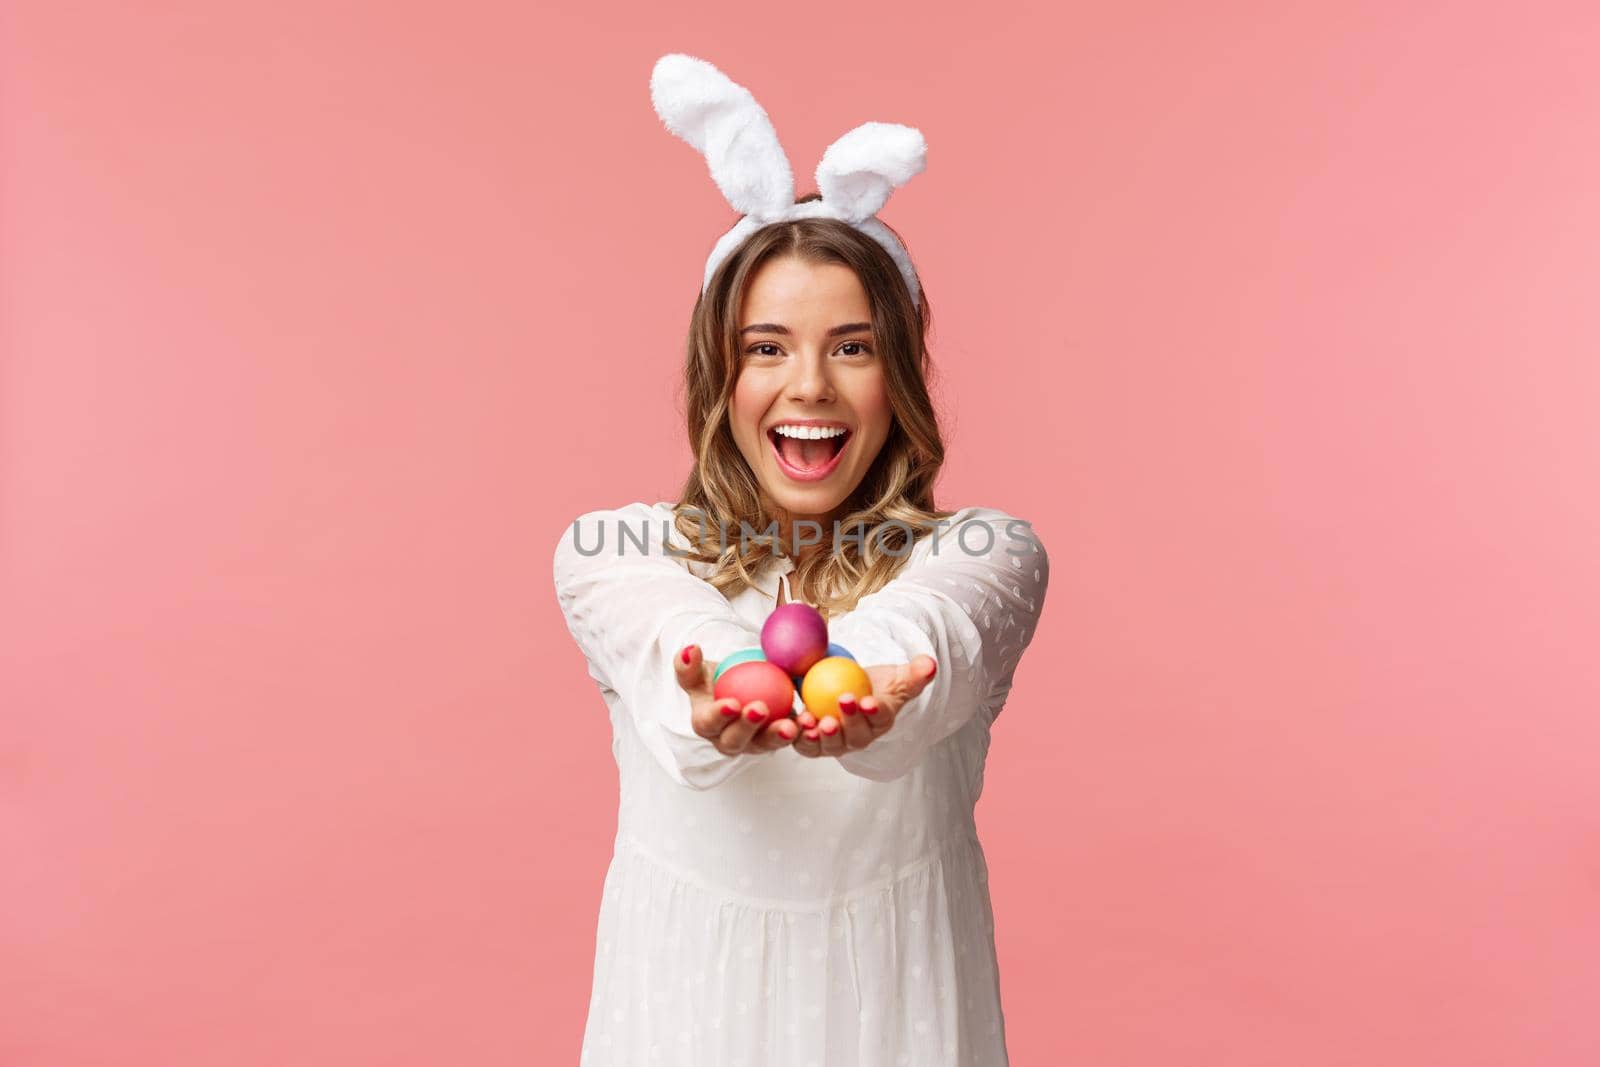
794,637
757,680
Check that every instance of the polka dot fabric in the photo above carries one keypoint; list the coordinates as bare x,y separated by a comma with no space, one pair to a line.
769,909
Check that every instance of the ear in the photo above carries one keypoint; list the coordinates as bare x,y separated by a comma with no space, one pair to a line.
700,104
861,169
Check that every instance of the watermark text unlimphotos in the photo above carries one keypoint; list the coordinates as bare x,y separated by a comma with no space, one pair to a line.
972,537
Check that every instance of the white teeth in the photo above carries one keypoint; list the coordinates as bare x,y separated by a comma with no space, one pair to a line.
812,432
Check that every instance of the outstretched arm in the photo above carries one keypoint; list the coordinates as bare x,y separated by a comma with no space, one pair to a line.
972,602
630,615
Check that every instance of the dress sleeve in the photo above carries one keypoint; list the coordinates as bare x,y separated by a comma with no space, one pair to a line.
972,601
632,609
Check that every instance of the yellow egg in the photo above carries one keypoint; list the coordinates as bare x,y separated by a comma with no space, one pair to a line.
829,677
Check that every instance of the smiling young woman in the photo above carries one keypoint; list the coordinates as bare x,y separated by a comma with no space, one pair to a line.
819,881
786,891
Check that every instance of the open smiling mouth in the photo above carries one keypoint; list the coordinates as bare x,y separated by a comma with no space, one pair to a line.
807,460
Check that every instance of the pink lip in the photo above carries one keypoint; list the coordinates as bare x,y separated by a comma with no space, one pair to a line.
808,476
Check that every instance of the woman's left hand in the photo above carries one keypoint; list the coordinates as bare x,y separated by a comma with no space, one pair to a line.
868,719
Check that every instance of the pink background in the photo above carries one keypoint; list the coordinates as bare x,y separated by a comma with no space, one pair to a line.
320,321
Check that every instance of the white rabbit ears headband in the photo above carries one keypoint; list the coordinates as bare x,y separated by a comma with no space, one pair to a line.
720,118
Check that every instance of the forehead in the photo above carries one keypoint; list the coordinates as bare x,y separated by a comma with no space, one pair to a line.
794,292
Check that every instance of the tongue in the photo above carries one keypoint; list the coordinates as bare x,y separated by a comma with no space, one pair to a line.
806,454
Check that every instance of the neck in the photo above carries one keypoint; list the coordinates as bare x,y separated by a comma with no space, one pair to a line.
787,529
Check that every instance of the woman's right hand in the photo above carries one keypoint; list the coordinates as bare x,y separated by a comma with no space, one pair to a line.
724,723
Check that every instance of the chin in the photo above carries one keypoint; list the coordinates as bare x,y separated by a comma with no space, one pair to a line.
799,501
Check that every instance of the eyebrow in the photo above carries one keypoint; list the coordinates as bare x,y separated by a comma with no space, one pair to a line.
777,327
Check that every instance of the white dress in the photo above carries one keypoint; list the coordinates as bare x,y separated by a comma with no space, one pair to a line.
774,910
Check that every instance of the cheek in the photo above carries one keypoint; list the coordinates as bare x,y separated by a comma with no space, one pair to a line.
871,405
747,407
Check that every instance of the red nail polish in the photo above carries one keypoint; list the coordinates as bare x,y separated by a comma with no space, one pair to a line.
935,669
830,726
811,735
848,707
870,711
686,653
755,715
730,710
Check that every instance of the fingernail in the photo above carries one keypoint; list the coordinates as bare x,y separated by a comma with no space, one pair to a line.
934,670
830,726
811,735
786,731
730,710
870,710
847,706
686,649
754,715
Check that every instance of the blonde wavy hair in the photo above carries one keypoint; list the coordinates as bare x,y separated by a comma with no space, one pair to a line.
891,509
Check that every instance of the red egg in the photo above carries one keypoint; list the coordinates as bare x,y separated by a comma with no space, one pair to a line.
757,680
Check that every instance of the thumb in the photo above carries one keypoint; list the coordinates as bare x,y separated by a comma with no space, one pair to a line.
922,669
688,667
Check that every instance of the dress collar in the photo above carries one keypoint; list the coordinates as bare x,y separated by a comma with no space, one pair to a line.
775,571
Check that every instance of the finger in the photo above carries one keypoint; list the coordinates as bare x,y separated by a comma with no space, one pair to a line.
923,668
879,715
688,667
806,720
775,735
857,734
809,743
713,718
737,734
832,736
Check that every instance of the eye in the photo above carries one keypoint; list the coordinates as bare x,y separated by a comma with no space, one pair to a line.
756,349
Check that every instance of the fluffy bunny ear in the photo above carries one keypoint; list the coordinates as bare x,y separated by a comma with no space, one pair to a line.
702,105
861,169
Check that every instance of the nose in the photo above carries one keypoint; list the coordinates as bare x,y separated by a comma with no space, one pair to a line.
809,378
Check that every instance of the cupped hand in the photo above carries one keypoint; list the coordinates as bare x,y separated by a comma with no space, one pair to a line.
731,728
863,721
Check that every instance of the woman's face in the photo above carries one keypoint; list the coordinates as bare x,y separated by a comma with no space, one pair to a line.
808,354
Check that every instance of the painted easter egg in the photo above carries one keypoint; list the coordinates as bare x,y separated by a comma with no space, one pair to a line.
829,677
757,680
733,659
794,637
